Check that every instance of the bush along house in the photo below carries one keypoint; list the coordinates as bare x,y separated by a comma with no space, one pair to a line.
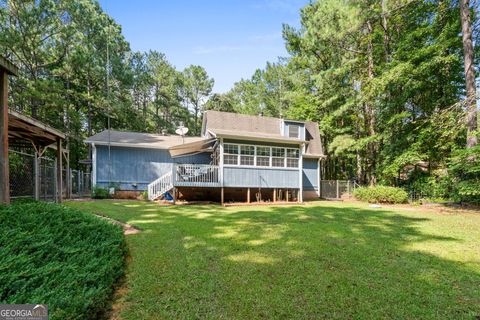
237,158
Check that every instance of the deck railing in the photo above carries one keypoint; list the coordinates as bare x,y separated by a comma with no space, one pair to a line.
196,175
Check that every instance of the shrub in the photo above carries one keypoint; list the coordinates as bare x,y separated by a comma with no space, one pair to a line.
59,256
464,167
381,194
100,193
432,186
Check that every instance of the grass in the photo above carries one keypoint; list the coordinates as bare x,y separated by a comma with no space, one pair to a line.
323,260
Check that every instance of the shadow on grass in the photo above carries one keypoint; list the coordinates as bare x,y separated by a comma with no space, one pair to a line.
295,262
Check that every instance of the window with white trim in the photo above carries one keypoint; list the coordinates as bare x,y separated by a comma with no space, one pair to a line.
263,156
247,155
230,154
260,156
278,157
292,157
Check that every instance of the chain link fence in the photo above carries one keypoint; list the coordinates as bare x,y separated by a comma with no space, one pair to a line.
337,189
81,183
23,176
22,173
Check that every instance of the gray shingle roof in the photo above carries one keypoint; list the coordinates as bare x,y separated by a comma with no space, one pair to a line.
221,123
137,139
261,127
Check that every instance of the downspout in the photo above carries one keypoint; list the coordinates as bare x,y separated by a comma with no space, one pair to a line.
300,174
221,162
319,178
94,165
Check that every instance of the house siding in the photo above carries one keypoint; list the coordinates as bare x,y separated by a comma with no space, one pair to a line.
242,177
137,166
310,174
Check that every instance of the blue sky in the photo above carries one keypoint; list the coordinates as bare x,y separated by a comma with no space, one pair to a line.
229,38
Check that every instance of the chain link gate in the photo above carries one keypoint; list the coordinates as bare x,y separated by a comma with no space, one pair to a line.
47,175
81,183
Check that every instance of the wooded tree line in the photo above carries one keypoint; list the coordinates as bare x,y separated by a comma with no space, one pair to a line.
391,83
387,82
77,70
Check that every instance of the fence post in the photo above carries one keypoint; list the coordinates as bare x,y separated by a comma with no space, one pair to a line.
55,180
36,177
338,191
348,188
69,182
80,181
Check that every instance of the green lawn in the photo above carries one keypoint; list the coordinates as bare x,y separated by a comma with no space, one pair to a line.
322,260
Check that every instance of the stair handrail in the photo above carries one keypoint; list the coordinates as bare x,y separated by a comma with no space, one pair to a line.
159,186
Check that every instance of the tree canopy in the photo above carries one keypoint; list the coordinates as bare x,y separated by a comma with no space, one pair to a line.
388,81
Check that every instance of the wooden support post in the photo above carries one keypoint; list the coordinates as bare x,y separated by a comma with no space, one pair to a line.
59,171
286,194
274,195
338,191
221,196
69,175
174,191
4,168
36,171
248,195
55,179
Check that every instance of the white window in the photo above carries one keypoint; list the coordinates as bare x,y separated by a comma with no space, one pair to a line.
230,148
278,152
230,154
230,159
263,156
278,157
292,157
293,131
292,163
247,155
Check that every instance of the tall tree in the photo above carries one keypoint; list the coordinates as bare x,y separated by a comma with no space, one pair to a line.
468,60
197,86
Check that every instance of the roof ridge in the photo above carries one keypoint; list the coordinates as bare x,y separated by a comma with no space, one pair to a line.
258,116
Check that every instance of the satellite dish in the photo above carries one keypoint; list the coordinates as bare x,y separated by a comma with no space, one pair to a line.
181,131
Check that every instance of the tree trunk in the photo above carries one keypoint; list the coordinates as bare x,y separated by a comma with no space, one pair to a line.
370,109
89,117
386,37
471,102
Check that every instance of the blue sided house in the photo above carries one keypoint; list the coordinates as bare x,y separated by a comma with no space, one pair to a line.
237,158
